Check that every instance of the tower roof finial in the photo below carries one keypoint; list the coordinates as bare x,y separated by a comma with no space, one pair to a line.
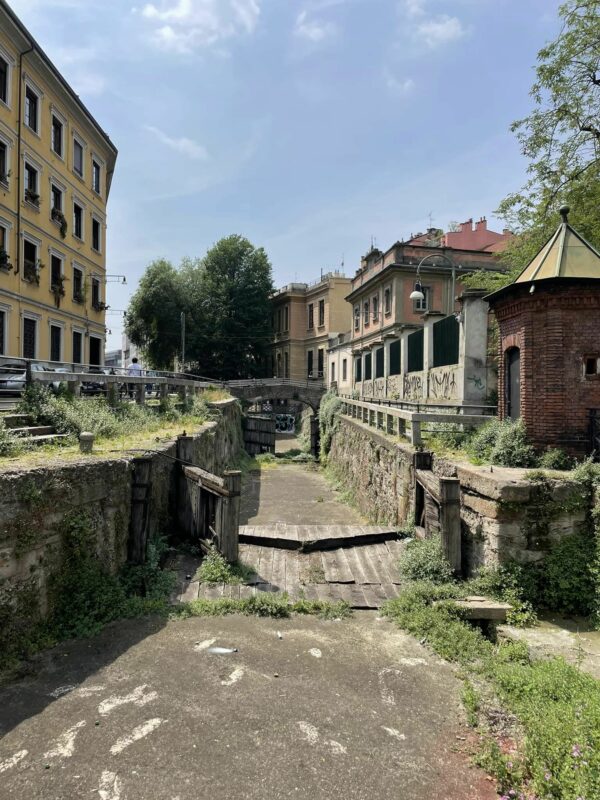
564,212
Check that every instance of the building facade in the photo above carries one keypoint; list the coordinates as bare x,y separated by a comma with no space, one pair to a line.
339,363
56,167
388,327
549,345
305,316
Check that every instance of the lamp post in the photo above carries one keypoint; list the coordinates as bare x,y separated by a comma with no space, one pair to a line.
418,294
183,340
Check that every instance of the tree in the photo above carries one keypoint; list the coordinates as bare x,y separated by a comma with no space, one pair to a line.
153,317
561,137
226,300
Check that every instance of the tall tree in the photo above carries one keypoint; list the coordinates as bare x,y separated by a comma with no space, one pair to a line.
226,300
561,136
153,316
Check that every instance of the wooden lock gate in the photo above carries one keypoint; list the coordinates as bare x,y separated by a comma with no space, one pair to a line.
210,509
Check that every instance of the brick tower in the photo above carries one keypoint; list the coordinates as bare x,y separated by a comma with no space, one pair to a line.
549,319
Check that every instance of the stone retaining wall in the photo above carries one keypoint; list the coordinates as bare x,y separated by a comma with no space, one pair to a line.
504,515
35,501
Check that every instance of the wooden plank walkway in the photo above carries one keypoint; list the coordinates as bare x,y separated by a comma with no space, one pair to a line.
319,537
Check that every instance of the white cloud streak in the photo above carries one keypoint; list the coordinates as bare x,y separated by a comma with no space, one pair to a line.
311,29
185,26
431,30
396,85
182,145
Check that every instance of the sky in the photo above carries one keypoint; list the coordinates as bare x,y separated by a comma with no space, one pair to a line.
309,126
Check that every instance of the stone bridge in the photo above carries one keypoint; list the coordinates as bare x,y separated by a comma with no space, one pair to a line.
256,390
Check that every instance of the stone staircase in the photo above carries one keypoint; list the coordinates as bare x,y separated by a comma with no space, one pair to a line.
22,425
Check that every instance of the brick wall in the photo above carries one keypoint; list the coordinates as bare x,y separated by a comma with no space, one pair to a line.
555,329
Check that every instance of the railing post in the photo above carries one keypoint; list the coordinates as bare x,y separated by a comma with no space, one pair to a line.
228,524
140,393
450,520
415,432
74,388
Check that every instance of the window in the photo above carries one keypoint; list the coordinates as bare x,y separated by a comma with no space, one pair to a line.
57,135
2,332
96,176
423,305
3,163
321,313
78,158
95,351
345,369
77,285
333,371
77,221
387,302
96,236
286,318
379,363
95,292
3,239
358,370
286,364
57,198
395,357
311,316
356,318
320,361
368,360
31,185
3,80
592,365
375,309
77,347
29,337
309,363
31,109
55,343
30,265
55,273
366,313
278,326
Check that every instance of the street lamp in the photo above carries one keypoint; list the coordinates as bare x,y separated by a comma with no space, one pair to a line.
417,293
183,340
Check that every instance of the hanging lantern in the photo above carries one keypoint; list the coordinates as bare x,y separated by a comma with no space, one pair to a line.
417,292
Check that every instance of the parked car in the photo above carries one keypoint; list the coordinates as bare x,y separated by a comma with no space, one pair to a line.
99,386
13,377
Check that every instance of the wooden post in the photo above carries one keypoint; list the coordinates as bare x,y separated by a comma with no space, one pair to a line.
228,516
450,520
186,497
140,499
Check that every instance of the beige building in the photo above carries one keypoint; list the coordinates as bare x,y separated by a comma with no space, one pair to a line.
56,168
339,363
305,316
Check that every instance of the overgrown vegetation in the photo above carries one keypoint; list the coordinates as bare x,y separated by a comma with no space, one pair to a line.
216,569
10,444
263,604
328,421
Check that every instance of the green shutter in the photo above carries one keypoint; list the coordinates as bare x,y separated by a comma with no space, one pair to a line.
415,351
445,342
395,357
379,363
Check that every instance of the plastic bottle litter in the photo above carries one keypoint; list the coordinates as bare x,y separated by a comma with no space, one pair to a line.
222,651
279,635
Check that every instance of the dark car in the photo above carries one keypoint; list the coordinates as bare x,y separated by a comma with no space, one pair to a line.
96,387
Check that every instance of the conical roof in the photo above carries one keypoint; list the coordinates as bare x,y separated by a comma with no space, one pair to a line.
565,255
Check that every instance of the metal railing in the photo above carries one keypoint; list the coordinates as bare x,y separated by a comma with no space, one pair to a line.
400,422
425,407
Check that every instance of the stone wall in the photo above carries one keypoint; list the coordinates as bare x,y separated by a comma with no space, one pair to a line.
35,501
504,516
377,470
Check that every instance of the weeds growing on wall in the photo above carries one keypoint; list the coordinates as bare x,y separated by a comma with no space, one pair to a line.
329,411
10,445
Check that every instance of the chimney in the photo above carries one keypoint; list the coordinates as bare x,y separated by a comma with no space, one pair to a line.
467,227
482,224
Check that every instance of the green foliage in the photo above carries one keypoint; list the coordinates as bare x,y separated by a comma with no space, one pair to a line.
503,443
560,137
10,445
512,583
424,560
149,580
557,459
329,411
226,299
263,604
215,569
471,702
567,581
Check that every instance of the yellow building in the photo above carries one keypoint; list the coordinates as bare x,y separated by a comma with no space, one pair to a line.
56,166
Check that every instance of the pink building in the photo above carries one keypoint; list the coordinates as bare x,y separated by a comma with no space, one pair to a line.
477,238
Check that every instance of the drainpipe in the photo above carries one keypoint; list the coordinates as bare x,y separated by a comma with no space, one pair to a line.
19,179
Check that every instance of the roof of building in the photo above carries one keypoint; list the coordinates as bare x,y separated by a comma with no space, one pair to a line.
565,255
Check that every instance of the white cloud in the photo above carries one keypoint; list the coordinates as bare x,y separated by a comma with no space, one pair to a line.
440,30
311,29
431,30
398,86
183,145
183,26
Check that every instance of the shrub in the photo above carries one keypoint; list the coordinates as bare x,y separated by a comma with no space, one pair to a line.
484,439
503,443
328,421
556,459
10,445
215,569
567,581
424,560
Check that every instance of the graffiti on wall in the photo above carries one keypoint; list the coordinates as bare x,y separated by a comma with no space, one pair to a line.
367,388
285,423
379,387
413,386
477,383
442,384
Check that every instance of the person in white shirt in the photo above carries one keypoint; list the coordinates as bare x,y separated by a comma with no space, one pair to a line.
133,369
